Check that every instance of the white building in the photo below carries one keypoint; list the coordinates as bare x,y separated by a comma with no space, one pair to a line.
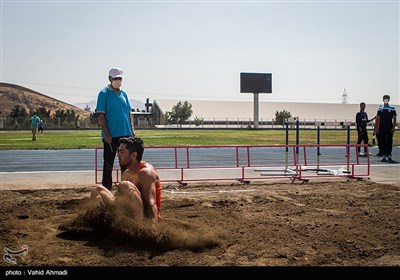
236,112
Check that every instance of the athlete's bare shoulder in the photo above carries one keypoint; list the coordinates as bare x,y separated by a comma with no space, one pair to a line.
148,170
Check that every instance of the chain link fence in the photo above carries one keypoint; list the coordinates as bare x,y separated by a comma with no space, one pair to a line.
23,123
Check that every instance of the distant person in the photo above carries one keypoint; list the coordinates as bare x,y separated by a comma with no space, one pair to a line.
387,118
361,124
115,119
140,185
34,121
40,126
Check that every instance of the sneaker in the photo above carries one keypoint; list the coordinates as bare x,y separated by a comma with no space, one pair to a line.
384,160
389,160
362,154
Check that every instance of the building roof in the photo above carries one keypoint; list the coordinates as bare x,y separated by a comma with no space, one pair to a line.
245,110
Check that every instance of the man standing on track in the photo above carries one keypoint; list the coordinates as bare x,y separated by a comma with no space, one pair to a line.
387,118
116,121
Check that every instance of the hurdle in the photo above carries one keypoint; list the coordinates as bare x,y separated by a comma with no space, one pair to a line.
244,163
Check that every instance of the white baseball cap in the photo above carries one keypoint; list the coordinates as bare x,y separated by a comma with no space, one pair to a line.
115,73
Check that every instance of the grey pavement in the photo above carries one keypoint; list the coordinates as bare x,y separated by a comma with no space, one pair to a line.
382,173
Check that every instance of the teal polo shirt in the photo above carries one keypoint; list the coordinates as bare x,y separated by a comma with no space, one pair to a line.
117,109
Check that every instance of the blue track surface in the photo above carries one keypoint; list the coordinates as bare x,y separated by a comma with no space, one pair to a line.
84,159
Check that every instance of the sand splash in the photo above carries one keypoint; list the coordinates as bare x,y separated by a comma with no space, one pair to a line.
123,223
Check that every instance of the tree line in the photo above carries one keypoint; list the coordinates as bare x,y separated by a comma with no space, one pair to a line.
181,112
19,117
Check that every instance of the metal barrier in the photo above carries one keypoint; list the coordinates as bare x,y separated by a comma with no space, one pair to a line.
184,164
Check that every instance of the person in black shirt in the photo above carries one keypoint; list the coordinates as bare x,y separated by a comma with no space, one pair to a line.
361,123
387,117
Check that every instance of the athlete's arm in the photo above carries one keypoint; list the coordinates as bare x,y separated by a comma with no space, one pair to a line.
147,181
103,125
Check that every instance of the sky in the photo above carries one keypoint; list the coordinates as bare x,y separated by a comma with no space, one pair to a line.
196,50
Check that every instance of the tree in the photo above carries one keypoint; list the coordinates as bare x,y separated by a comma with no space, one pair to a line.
198,121
59,117
18,115
180,113
18,111
281,116
42,112
69,117
93,119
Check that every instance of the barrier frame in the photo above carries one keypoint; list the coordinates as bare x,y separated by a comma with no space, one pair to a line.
299,168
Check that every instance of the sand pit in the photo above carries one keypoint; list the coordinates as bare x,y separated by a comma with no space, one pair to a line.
335,223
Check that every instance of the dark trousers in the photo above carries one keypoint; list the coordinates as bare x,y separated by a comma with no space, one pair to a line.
362,137
379,143
109,154
386,142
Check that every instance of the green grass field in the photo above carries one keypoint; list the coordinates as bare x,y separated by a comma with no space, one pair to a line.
86,139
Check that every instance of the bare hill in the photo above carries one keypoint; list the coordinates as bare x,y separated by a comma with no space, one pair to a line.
12,95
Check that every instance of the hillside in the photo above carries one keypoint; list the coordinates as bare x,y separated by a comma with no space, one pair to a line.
12,95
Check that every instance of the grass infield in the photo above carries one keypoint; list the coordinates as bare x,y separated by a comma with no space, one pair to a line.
87,139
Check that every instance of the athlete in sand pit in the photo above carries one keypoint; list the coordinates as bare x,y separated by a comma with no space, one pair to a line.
140,185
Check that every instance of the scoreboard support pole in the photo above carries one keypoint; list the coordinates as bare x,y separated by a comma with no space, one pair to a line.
256,109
